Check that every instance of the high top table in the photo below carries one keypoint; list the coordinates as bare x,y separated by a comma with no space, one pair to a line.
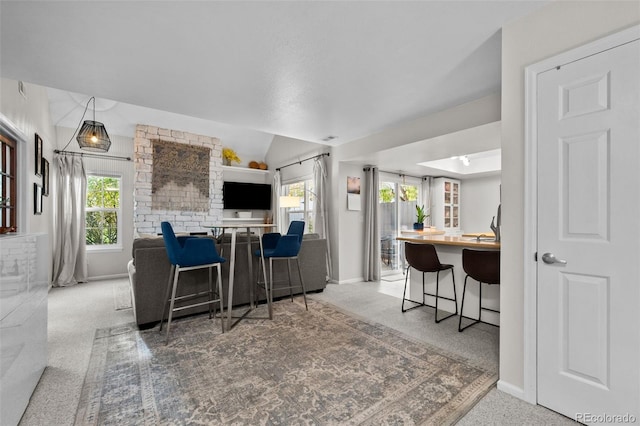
233,227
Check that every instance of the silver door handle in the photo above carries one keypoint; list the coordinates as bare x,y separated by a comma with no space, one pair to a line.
551,258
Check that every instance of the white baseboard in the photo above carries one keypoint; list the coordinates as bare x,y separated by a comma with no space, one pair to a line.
511,390
349,281
108,277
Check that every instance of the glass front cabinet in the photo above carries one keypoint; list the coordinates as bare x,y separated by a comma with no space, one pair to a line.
445,208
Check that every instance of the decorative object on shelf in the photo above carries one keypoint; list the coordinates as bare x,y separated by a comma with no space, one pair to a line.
262,166
229,156
268,217
420,218
38,151
254,165
37,198
45,177
496,227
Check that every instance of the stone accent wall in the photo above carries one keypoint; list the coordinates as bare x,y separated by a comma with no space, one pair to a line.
147,218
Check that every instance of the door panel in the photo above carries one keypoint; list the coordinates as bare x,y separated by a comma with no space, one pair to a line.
588,215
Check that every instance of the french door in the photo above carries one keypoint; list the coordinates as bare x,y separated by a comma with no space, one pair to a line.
397,198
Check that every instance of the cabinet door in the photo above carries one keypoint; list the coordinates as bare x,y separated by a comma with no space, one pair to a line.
446,204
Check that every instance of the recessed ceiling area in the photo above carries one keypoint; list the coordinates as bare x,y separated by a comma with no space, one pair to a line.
484,162
481,144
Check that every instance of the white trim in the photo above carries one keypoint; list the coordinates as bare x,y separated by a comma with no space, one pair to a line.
104,248
107,247
349,281
529,393
23,184
512,390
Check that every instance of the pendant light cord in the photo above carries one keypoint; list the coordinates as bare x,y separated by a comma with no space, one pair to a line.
82,120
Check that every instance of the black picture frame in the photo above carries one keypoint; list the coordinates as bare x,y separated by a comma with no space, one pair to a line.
45,177
37,198
38,151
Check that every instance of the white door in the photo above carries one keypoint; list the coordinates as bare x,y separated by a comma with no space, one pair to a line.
589,215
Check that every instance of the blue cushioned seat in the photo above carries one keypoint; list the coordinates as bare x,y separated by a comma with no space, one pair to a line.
282,247
186,254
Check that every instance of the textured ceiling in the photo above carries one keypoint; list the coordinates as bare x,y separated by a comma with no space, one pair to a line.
305,69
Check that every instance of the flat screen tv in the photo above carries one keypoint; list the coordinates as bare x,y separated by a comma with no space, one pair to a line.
246,196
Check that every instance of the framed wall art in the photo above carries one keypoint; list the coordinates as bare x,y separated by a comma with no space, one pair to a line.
45,177
37,198
38,151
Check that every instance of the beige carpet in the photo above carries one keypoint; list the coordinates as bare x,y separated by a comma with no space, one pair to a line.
121,294
317,367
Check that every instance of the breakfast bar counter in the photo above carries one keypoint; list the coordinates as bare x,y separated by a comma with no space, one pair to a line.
449,249
462,241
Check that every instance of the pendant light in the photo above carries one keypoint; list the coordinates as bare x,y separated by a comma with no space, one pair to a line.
92,135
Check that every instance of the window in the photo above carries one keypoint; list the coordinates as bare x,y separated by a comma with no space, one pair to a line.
304,191
103,224
8,192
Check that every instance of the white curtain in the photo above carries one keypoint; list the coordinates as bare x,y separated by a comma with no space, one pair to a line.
320,213
371,226
278,215
69,256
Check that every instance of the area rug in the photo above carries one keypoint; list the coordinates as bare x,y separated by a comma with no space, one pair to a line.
321,366
121,294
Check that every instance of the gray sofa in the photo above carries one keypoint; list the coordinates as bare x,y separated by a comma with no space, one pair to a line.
149,274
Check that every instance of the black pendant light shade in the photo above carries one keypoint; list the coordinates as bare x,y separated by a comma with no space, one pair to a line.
93,137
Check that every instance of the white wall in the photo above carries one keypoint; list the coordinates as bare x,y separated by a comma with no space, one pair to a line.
31,116
465,116
480,198
554,28
350,227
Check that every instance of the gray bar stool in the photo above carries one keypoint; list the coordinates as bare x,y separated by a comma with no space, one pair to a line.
484,267
424,258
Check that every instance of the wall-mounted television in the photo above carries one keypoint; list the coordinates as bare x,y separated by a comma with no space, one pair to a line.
246,196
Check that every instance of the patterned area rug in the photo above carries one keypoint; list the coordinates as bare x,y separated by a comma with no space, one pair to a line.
321,367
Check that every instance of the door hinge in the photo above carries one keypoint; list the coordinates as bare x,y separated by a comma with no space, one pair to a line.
535,256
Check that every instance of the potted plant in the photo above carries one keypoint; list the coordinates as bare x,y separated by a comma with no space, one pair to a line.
420,217
229,156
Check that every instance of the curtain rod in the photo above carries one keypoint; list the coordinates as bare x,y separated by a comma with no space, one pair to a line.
366,169
300,162
86,154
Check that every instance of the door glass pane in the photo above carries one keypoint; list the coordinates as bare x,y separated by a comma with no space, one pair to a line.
388,225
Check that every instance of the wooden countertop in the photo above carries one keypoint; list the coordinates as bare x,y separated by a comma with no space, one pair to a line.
450,241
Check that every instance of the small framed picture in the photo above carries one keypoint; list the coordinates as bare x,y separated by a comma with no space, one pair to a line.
45,177
37,198
38,151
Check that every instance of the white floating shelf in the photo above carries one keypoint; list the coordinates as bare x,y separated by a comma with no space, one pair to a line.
244,169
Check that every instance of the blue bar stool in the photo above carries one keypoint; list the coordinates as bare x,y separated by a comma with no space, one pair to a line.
282,247
187,254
